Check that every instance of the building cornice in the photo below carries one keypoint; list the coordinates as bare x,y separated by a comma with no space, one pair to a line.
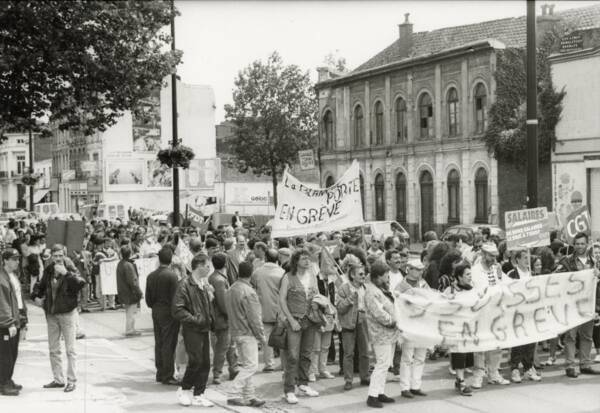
574,55
462,50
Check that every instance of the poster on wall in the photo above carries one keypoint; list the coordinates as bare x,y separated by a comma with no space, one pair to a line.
569,189
146,124
201,174
124,174
159,176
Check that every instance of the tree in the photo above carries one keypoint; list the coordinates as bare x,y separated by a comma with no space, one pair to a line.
274,113
335,62
80,63
506,134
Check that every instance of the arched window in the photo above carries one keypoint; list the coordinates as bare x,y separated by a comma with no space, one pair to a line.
379,198
328,130
481,196
452,103
426,116
358,126
401,198
479,100
453,197
362,194
329,181
378,123
426,183
401,129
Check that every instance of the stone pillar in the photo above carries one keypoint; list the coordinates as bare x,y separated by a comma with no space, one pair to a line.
412,201
389,188
410,113
437,102
387,122
467,188
493,186
340,122
491,98
439,202
370,211
367,114
347,118
464,127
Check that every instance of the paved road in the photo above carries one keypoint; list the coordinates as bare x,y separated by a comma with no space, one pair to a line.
117,375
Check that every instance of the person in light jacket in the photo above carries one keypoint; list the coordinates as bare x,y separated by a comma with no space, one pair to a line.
381,322
128,289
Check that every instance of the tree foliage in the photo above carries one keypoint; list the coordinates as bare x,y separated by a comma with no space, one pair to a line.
80,63
274,114
506,134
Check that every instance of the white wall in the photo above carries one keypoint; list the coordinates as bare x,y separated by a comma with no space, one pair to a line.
245,197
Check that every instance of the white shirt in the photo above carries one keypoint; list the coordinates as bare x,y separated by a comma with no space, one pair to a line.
17,286
523,275
395,279
483,278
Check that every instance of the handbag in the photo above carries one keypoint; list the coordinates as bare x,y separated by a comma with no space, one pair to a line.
278,337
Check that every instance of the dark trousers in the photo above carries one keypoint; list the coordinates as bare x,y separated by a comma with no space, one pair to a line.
396,360
522,354
166,329
197,346
461,360
9,349
356,344
596,336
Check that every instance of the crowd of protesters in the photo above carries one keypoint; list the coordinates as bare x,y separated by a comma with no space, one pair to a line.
243,294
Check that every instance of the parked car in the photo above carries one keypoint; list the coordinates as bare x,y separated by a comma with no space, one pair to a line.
382,229
469,231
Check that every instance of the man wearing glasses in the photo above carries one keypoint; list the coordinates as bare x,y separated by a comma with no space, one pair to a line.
57,294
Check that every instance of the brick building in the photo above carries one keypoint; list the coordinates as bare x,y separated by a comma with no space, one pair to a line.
413,116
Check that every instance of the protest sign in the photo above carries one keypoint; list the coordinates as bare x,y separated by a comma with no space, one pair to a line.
68,233
303,209
510,314
183,252
527,228
108,277
577,221
195,216
306,159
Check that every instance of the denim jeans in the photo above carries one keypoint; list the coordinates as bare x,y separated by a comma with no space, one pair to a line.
490,358
356,341
318,358
299,349
223,347
585,332
243,387
65,325
268,350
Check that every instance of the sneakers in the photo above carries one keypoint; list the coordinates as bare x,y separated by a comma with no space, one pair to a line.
184,397
462,388
348,385
477,383
307,391
451,371
312,377
550,362
291,398
396,378
532,375
201,401
597,358
515,376
498,379
326,375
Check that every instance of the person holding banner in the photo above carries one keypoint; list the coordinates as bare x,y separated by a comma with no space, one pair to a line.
522,354
383,332
579,260
487,273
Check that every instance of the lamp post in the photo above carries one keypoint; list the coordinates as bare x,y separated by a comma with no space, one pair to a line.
532,144
30,166
175,140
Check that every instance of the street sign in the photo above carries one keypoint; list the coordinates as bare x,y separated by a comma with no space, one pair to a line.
527,228
577,221
307,159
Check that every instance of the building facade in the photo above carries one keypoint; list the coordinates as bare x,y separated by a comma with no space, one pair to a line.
576,159
14,163
414,115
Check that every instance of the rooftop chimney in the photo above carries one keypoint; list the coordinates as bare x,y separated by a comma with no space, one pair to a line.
405,37
546,21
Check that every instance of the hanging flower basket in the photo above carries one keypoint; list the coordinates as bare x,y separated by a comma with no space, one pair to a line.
30,179
176,157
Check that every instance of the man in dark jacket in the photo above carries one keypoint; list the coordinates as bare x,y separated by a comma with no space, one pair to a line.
160,290
128,289
222,345
58,293
13,318
578,261
192,307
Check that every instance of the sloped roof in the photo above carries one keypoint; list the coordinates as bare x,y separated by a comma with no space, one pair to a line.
511,31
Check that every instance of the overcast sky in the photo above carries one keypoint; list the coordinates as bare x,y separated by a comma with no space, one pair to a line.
219,38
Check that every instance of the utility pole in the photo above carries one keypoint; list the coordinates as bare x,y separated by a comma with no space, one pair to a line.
532,122
175,140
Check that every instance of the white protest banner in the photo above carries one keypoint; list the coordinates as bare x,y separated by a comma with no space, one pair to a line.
303,209
108,277
527,228
511,314
578,221
144,267
183,252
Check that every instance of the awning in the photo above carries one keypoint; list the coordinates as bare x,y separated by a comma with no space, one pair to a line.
39,194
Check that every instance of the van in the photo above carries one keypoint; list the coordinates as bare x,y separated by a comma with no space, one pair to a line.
45,209
110,211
